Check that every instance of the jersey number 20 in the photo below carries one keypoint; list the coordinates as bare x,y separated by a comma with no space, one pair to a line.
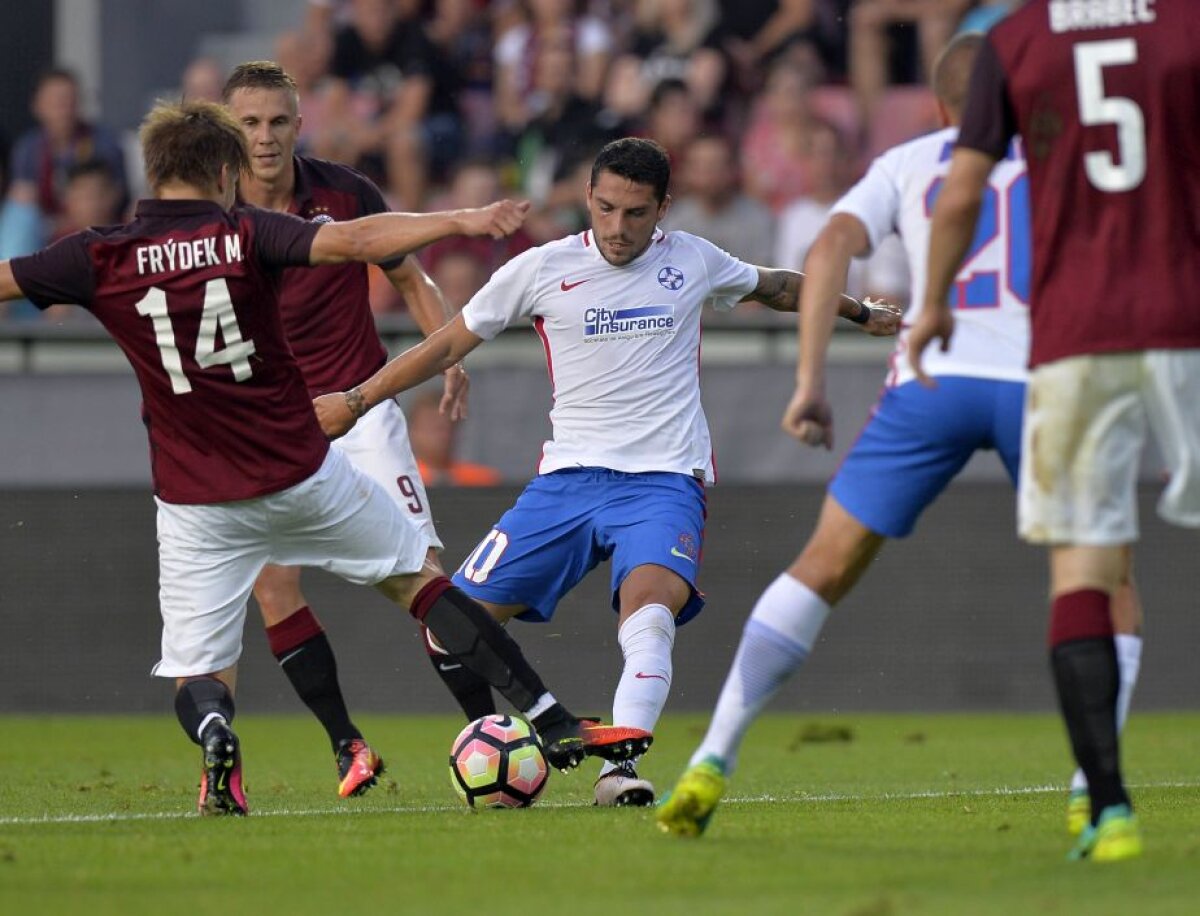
980,289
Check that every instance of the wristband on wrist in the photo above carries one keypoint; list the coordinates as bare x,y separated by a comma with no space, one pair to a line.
862,316
356,403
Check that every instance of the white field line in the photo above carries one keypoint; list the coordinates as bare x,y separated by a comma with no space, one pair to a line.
999,792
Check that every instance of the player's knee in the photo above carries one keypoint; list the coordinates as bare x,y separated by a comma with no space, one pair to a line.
278,594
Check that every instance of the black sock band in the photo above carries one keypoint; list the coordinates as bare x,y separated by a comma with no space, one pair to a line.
312,669
472,637
199,698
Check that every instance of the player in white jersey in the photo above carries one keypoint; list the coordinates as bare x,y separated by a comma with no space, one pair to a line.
917,439
618,310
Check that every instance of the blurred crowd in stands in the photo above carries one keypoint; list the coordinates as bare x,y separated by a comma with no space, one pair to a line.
769,109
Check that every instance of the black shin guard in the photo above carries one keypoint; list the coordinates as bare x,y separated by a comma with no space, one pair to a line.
470,691
1087,679
197,699
472,637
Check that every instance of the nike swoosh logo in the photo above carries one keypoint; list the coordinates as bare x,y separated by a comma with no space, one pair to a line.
646,677
676,552
567,287
445,667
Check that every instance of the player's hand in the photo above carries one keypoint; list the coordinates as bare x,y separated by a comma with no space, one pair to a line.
333,413
936,322
885,318
809,419
455,384
498,220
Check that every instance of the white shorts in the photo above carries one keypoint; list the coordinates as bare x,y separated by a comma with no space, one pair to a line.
210,555
1086,419
378,445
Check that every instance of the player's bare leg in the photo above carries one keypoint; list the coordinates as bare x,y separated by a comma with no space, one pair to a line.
650,598
776,641
1083,580
299,643
204,707
472,636
1127,617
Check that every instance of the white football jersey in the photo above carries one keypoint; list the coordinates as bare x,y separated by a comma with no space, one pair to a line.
991,292
622,346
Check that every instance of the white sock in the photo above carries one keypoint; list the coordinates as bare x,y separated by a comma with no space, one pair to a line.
1129,663
646,638
204,723
544,702
778,637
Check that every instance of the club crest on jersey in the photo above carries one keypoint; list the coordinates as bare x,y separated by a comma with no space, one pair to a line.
600,323
670,278
322,218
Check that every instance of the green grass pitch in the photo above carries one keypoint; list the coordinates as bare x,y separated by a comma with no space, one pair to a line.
863,815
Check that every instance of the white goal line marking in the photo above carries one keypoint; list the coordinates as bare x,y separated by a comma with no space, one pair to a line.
998,792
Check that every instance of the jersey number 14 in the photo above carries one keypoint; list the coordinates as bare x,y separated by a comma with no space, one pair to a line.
217,314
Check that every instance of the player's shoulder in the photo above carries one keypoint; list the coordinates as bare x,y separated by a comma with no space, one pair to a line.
688,243
927,149
334,176
1029,21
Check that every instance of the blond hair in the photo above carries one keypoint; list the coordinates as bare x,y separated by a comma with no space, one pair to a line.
189,142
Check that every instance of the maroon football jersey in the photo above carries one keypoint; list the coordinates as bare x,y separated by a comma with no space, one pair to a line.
326,310
190,292
1106,97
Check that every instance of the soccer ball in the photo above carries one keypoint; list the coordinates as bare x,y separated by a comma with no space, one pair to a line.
497,762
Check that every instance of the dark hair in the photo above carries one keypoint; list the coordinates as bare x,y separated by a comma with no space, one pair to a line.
640,161
258,74
189,142
55,73
90,167
665,88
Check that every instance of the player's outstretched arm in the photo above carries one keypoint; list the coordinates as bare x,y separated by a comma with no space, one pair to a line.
950,233
430,311
383,236
780,290
338,412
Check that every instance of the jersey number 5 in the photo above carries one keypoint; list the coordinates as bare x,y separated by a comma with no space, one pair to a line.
1103,171
218,313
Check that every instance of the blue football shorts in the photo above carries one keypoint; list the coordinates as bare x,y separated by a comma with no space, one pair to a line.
568,521
918,439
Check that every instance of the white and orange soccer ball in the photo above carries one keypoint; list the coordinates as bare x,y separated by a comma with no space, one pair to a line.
497,762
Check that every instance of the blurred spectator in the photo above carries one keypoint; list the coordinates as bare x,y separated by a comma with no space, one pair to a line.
40,162
92,197
391,99
712,206
673,119
42,158
202,81
896,42
459,275
775,148
754,32
475,183
674,39
517,51
564,128
832,170
303,57
464,37
434,440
